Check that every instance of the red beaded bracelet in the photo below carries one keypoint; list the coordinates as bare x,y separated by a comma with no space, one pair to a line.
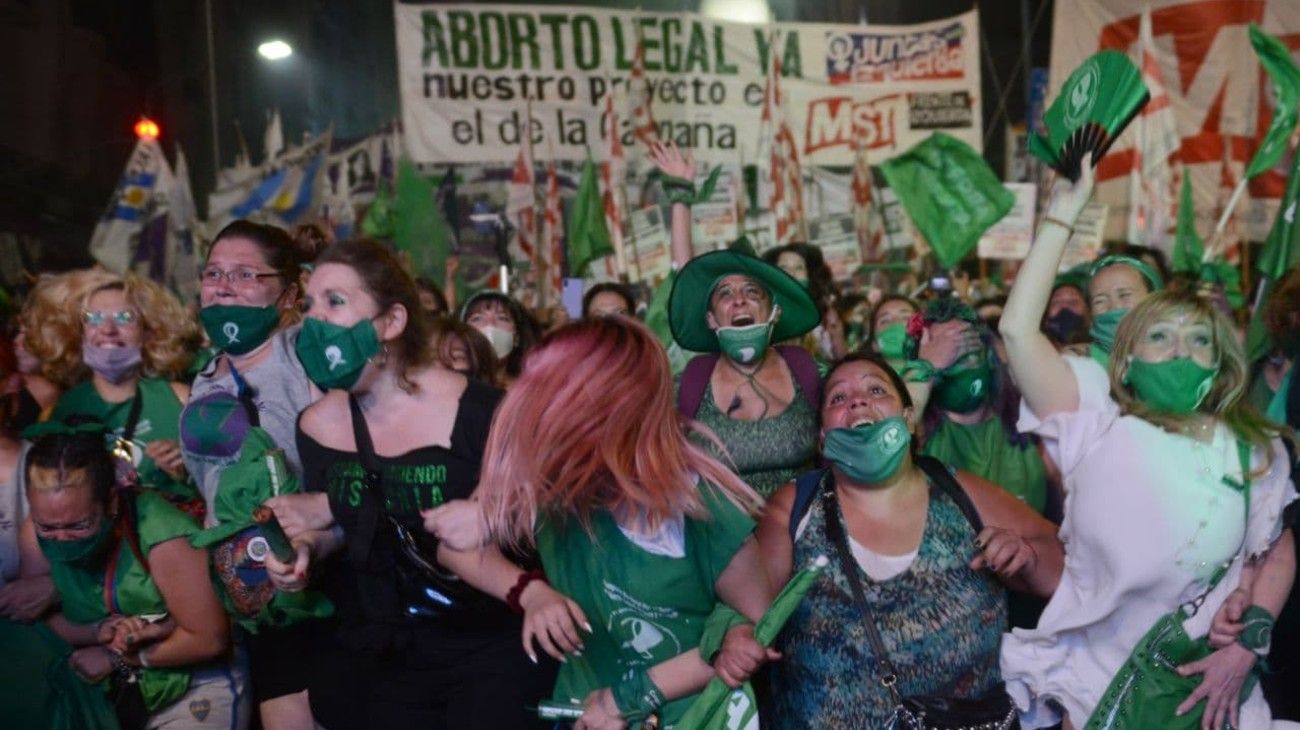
512,596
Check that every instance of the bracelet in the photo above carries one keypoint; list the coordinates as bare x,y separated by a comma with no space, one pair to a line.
1257,632
681,190
1049,219
637,696
512,596
919,371
678,190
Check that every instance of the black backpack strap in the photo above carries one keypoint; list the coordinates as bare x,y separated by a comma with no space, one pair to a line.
694,381
805,491
943,479
804,369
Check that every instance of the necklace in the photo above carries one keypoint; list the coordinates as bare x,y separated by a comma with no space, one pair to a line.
751,377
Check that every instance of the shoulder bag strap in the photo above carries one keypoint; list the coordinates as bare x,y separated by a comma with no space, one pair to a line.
941,477
805,491
245,393
804,369
835,531
372,497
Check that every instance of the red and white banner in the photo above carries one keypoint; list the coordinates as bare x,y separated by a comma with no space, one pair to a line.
1221,97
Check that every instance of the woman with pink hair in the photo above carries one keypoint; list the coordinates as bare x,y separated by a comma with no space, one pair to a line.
643,532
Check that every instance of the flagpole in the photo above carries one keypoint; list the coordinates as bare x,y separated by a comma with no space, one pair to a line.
1213,249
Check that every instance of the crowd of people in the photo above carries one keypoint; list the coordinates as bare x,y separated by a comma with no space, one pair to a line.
327,494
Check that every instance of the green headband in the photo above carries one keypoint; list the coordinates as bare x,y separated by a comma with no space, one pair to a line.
1142,267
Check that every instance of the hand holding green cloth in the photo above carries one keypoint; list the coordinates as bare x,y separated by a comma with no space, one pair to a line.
949,192
719,706
38,687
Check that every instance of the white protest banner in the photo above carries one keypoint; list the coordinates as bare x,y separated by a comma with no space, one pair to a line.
652,255
468,72
837,237
1085,244
1011,237
713,222
1222,100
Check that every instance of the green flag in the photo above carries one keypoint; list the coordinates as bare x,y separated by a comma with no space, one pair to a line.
1188,248
721,708
950,193
1280,253
588,233
379,221
1276,60
1280,248
420,232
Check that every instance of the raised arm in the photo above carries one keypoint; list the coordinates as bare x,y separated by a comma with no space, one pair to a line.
1042,374
671,161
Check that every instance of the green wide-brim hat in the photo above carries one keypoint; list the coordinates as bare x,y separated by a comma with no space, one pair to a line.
689,301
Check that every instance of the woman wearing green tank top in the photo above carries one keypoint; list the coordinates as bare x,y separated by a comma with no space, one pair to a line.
121,341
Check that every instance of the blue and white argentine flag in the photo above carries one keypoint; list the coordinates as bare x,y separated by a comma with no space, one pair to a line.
285,191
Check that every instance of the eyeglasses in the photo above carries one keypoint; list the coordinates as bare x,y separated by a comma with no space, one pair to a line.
240,276
121,318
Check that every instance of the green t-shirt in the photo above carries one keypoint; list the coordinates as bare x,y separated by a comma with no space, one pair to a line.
160,417
644,608
984,450
134,592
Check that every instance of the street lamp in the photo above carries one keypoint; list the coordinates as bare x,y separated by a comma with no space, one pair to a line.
274,50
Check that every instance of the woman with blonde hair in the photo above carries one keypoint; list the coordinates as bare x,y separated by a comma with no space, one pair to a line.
1177,555
119,343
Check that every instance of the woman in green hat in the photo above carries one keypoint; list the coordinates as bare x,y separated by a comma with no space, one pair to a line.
758,399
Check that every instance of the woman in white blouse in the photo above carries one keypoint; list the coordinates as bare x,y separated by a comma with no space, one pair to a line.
1149,457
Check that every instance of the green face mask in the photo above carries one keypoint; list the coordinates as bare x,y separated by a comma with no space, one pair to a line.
1104,326
333,355
1179,385
869,454
238,329
803,281
963,391
747,344
85,551
891,341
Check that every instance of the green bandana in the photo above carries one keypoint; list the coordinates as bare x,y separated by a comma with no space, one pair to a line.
85,551
963,391
333,355
1104,326
238,329
747,344
892,340
869,454
1179,385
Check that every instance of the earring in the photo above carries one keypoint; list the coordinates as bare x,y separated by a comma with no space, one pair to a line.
382,360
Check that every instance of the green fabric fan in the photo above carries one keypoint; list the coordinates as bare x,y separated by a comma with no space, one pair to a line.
1095,105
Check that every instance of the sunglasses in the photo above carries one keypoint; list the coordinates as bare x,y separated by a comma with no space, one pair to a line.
121,318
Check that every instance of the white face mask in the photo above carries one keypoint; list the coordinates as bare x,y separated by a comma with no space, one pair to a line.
502,341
